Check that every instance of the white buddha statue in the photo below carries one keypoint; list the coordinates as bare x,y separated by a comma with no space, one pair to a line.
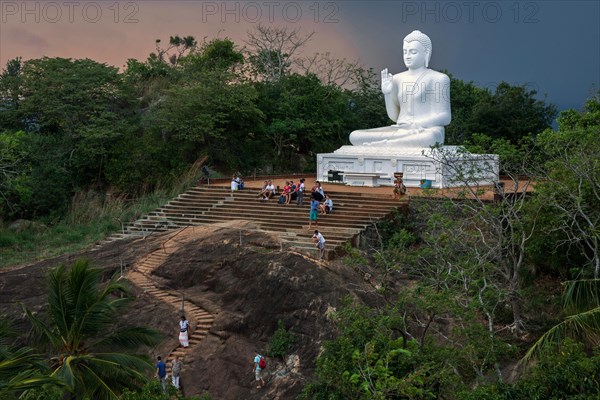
418,100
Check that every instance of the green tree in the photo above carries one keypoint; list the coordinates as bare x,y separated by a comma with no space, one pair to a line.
566,374
213,112
87,352
73,112
512,112
569,190
12,155
178,47
509,112
214,55
10,93
464,96
378,354
507,225
366,105
209,118
303,117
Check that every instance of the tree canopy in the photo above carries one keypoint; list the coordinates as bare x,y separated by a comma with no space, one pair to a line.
72,125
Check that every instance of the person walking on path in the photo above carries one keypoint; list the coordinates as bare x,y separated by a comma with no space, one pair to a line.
161,373
258,370
319,241
175,371
184,330
314,213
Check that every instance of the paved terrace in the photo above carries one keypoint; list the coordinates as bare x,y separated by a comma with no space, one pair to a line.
355,210
331,188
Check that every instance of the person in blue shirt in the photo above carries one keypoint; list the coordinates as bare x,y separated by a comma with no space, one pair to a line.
314,212
161,373
258,370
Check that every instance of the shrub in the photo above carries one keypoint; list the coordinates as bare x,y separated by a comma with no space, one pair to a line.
281,341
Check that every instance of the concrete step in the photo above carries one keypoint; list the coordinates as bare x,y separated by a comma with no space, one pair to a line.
273,222
204,205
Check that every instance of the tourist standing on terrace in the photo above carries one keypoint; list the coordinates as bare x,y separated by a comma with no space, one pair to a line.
314,212
300,190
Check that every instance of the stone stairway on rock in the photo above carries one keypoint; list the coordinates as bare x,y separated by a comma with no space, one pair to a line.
204,205
200,320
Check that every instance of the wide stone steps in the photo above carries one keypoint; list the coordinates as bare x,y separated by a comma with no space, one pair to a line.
280,210
258,205
205,205
292,220
271,210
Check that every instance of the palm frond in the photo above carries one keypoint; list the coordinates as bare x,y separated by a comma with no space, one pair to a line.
97,387
11,362
26,380
106,374
584,326
40,329
581,295
129,339
65,372
59,308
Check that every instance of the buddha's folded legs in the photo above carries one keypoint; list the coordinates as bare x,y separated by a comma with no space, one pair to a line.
397,137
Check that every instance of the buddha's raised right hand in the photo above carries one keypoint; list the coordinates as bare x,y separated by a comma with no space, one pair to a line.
386,82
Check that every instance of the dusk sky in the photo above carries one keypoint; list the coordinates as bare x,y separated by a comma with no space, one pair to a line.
550,46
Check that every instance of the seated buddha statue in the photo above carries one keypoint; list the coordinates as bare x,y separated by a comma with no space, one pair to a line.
418,100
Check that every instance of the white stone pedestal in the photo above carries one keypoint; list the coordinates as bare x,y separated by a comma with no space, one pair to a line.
448,166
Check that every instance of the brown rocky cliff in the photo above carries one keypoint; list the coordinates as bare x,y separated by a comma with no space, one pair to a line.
247,288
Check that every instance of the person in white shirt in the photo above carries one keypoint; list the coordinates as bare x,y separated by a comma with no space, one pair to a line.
184,330
319,241
269,191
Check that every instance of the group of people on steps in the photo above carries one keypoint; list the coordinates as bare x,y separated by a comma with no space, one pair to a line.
177,363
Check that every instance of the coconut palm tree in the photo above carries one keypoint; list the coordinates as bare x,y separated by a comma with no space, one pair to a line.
86,348
581,300
20,368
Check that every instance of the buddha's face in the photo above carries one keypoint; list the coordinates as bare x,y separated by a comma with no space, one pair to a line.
414,55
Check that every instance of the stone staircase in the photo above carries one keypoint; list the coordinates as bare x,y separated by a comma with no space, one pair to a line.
140,275
204,205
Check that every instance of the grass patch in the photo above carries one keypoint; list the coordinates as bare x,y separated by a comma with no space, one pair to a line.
92,216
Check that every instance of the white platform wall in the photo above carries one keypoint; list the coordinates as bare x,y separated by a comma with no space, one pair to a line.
449,166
